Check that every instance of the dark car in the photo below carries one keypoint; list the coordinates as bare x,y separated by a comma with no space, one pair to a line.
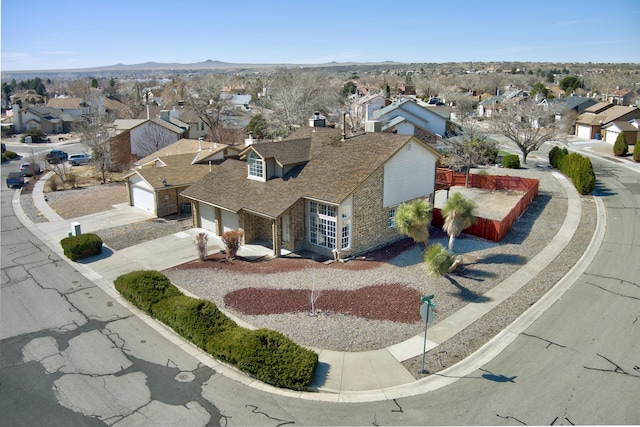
15,179
56,156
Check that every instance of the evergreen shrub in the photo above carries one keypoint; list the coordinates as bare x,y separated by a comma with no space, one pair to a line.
81,246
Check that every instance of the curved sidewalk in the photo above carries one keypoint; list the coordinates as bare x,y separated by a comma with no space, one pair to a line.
341,376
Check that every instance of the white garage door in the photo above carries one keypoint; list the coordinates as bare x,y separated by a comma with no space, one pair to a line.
208,217
584,132
143,199
611,136
230,221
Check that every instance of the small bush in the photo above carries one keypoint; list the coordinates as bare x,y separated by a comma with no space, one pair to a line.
621,147
636,152
144,288
232,240
437,260
81,246
555,155
201,245
511,161
9,155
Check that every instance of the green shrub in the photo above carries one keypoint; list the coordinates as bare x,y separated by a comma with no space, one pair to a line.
81,246
145,288
195,319
621,147
437,260
267,355
511,161
556,154
9,155
636,152
580,170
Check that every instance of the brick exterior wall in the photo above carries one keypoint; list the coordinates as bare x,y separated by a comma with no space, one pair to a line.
120,151
369,221
170,205
256,228
298,218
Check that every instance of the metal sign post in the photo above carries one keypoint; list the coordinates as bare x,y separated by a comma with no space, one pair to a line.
427,314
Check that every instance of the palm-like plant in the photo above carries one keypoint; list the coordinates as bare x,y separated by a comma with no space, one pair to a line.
458,215
413,218
437,260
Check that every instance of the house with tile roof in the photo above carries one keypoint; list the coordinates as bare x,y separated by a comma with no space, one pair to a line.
589,125
156,181
316,191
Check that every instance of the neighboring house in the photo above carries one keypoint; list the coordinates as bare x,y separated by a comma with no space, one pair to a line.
620,96
572,103
613,129
316,191
48,119
487,107
407,117
137,138
76,107
589,124
27,97
155,183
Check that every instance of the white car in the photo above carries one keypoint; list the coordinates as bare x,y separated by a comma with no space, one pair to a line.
79,159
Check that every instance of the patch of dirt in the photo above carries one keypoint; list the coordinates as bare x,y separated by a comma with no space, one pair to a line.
394,302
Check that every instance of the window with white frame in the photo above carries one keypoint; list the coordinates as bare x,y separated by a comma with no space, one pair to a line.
391,222
322,225
256,166
286,228
345,226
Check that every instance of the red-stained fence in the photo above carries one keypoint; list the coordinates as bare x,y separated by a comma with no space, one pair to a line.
487,228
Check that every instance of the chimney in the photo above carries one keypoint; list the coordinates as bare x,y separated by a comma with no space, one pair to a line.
316,121
200,144
249,141
17,119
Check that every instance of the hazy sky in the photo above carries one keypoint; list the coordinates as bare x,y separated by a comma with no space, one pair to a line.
64,34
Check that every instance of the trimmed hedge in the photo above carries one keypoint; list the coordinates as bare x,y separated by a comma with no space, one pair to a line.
576,167
81,246
145,288
511,161
636,152
267,355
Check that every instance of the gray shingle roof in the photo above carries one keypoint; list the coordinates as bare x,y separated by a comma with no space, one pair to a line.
334,170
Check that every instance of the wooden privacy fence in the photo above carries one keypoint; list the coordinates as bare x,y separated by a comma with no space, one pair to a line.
487,228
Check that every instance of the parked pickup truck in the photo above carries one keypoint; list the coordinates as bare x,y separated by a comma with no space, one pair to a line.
15,179
56,156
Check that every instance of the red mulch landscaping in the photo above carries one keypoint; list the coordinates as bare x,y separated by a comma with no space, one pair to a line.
395,302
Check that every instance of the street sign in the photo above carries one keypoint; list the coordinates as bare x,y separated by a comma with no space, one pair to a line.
427,314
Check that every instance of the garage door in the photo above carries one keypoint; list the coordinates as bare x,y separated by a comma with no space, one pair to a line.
584,132
230,221
611,136
208,217
143,199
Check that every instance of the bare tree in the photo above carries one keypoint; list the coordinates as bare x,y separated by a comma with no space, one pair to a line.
464,153
527,124
208,99
94,132
153,137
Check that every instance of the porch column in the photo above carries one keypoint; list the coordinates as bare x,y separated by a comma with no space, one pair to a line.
274,238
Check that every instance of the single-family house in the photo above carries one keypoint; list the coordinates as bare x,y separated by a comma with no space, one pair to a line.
47,119
620,96
590,124
156,181
613,129
76,107
407,117
134,139
316,191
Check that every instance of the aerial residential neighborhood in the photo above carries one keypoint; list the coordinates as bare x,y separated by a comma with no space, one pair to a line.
327,213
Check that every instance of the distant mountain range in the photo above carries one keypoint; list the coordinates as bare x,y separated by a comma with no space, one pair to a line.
151,67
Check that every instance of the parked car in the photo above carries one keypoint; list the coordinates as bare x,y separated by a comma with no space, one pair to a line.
56,156
79,159
30,169
15,179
